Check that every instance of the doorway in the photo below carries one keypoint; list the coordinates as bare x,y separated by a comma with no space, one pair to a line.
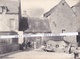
78,40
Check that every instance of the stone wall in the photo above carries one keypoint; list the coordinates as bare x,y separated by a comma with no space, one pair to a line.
6,48
8,44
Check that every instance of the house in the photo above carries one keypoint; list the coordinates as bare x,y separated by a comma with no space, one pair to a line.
9,15
63,19
9,24
36,26
76,9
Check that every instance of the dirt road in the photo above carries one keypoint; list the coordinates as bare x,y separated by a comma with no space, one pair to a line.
37,55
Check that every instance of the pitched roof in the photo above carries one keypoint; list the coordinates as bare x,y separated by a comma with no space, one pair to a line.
12,6
54,8
77,5
36,25
49,12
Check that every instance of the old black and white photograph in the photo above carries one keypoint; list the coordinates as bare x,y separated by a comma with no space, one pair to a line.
39,29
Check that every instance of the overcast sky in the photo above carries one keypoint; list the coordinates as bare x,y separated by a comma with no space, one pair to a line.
35,8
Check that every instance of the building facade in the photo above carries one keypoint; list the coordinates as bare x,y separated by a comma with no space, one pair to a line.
9,15
76,9
63,19
9,24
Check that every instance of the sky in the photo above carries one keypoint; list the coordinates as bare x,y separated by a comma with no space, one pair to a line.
36,8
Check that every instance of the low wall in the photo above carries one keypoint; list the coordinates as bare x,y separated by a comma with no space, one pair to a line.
6,48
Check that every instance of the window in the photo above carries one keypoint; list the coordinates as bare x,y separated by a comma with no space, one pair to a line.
4,9
54,23
57,45
62,3
63,30
12,23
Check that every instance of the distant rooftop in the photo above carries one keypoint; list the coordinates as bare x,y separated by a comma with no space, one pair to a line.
36,25
53,9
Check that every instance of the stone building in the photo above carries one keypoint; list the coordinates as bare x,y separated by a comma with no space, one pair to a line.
9,15
76,9
63,19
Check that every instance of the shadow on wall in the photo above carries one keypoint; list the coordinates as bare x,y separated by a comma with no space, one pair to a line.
23,25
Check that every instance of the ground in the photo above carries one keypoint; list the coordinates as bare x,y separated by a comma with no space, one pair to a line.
36,54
